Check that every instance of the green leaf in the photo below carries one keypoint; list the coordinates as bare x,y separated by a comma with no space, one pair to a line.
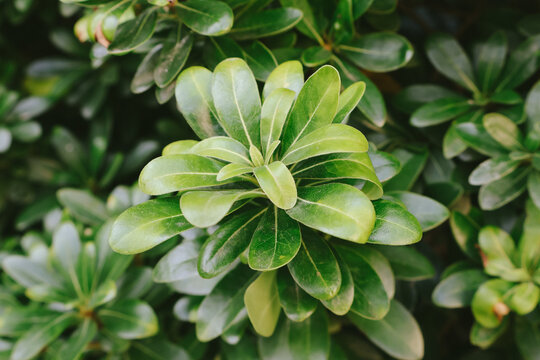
485,337
475,136
266,23
522,63
194,99
223,148
453,143
315,267
373,280
41,335
133,33
232,170
394,225
342,302
274,112
158,348
527,337
219,309
487,304
397,334
146,225
315,105
379,52
412,163
277,183
179,263
450,59
386,165
288,75
524,298
533,185
502,191
506,97
489,60
226,244
260,59
296,303
308,25
493,169
179,147
172,58
532,108
333,138
74,347
504,131
407,263
529,247
465,232
440,111
428,212
179,172
129,319
262,303
336,209
372,105
458,289
83,205
207,208
275,242
348,100
206,17
236,98
316,56
414,96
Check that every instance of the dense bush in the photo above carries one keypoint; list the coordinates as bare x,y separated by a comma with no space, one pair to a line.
346,179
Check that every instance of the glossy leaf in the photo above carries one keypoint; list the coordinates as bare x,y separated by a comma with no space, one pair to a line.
296,303
500,192
336,209
348,100
146,225
394,225
277,183
475,136
262,303
172,58
465,232
440,111
428,212
266,23
342,302
232,170
315,56
133,33
412,163
458,289
288,75
489,61
260,59
129,319
83,205
493,169
223,148
522,63
178,263
274,112
487,304
524,298
504,131
206,17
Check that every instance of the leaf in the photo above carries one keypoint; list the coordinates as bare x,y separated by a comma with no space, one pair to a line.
207,208
194,100
342,26
532,108
223,148
41,335
465,232
450,59
237,101
206,17
414,96
504,131
179,263
527,336
146,225
394,225
232,170
342,302
397,334
315,268
275,242
260,59
373,280
522,63
308,25
453,143
412,163
316,56
129,319
484,337
458,289
379,52
502,191
179,147
440,111
133,33
296,303
159,349
5,139
219,309
489,61
74,347
83,205
524,298
288,75
266,23
29,273
428,212
333,138
178,172
262,303
475,136
493,169
274,112
348,100
226,244
172,58
277,183
336,209
315,105
533,185
487,304
407,263
498,250
386,165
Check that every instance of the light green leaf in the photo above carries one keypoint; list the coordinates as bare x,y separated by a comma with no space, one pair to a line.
232,170
275,242
458,289
206,17
179,147
440,111
474,135
336,209
223,148
288,75
504,131
493,169
333,138
394,225
262,303
348,100
146,225
129,319
524,298
273,115
488,305
83,205
277,183
236,98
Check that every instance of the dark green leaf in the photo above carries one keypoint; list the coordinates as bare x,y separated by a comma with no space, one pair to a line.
457,290
206,17
133,33
500,192
394,225
428,212
297,304
266,23
522,63
489,60
129,319
407,263
172,58
440,111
